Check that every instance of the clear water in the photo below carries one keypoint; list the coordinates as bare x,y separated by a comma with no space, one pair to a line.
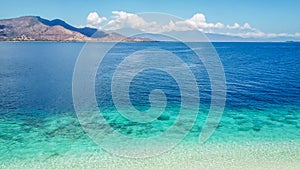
37,118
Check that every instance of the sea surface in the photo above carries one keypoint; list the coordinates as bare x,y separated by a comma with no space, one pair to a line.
38,122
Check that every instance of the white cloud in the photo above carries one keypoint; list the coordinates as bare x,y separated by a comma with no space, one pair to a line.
238,26
246,26
247,31
199,21
121,19
234,26
94,20
260,34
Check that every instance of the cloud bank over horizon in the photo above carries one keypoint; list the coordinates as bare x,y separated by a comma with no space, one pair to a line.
121,19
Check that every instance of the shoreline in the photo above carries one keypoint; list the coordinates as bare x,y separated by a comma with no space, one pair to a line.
150,42
228,155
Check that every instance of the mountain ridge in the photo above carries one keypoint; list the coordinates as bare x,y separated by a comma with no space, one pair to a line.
87,31
35,28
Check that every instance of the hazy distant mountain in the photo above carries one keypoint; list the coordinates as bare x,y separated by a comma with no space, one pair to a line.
226,38
185,36
34,28
196,36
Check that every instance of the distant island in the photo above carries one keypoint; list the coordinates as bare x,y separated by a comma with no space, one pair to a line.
35,28
291,41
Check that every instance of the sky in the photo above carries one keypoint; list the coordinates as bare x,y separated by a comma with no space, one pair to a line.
263,17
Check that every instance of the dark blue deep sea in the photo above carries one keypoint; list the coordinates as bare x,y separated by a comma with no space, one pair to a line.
37,115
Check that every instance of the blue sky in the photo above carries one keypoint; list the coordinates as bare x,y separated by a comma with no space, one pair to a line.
271,16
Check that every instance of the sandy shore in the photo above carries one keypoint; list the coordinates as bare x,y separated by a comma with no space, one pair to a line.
188,155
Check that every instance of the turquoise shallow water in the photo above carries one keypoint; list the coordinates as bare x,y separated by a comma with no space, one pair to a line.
62,135
38,122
